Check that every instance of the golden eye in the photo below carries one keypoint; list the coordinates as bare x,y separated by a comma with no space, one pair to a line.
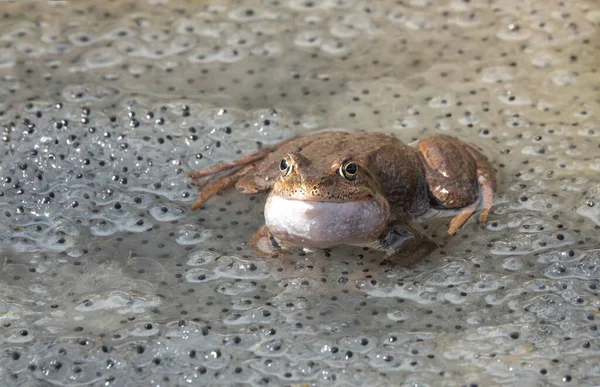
285,167
349,170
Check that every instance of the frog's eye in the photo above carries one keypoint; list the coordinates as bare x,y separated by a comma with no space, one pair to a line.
349,170
285,167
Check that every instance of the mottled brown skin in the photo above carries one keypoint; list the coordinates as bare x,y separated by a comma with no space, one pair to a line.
440,171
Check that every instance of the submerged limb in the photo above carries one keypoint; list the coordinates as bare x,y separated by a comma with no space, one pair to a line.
264,243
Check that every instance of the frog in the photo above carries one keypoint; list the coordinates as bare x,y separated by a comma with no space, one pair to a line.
368,189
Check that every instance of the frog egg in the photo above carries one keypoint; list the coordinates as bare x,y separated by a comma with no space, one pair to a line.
110,279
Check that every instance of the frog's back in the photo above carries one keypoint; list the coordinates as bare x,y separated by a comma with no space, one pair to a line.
359,146
399,169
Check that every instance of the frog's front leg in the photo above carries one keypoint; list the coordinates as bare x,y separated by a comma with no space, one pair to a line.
265,244
403,244
458,175
220,185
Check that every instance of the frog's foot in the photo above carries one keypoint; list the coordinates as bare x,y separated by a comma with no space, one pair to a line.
265,244
404,245
486,194
232,173
214,169
218,186
250,159
459,220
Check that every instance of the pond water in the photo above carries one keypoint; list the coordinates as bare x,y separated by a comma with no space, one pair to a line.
108,278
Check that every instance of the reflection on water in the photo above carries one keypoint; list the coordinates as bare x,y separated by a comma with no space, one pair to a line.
109,279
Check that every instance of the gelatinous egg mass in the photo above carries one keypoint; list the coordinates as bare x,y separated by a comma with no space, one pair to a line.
107,277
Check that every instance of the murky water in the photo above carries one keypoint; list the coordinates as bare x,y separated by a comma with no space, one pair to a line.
108,278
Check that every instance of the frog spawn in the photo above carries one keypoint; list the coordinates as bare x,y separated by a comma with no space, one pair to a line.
90,161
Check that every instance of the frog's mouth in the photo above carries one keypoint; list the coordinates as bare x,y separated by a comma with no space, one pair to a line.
321,224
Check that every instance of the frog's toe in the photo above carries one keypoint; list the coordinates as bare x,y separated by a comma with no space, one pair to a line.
459,220
486,187
484,215
486,192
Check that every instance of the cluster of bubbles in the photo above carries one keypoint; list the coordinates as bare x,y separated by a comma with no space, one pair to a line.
109,279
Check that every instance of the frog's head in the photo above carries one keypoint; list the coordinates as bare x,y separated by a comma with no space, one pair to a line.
326,203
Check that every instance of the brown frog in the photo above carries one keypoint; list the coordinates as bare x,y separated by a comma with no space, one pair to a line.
335,188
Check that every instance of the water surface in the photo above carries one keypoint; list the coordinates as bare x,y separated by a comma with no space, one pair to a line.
109,279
